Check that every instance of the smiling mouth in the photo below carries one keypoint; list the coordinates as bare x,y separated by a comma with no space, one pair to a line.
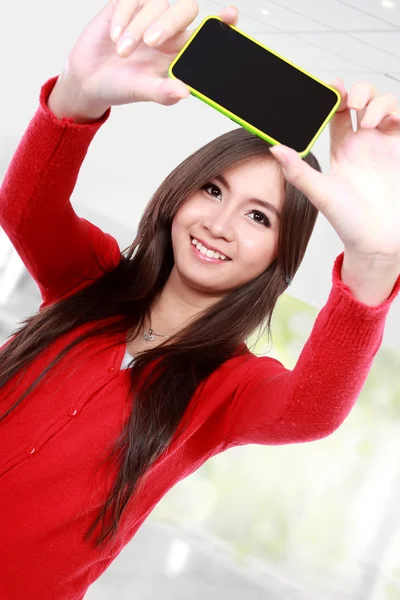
226,259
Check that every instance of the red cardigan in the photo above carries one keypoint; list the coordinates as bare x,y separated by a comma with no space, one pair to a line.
52,478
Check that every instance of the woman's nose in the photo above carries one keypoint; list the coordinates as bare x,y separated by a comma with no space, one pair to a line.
221,224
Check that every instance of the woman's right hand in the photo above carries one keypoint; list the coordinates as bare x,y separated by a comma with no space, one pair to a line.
104,78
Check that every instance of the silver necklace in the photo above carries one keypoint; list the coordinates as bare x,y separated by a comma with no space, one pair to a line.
150,335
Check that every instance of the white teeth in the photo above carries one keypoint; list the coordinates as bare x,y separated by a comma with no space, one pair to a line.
206,251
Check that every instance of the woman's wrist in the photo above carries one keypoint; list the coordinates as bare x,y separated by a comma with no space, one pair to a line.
371,282
68,101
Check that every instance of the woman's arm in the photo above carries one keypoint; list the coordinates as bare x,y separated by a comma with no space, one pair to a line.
61,250
68,101
274,405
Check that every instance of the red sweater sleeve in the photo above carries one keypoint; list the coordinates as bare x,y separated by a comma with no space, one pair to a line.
274,405
62,251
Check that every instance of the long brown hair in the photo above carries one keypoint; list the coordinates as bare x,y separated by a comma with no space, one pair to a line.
128,291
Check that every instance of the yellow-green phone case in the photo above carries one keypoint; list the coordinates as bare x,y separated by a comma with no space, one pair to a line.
234,117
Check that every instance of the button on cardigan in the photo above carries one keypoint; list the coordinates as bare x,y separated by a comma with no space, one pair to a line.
53,478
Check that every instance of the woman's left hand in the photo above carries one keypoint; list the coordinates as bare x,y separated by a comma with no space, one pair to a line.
360,196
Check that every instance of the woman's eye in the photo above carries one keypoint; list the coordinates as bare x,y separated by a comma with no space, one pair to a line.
264,219
211,185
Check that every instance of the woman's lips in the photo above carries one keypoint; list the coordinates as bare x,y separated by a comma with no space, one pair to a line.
209,247
203,257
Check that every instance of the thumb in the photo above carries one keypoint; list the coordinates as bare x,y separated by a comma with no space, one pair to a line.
316,186
148,88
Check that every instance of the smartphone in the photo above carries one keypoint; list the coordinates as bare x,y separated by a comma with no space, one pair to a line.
254,86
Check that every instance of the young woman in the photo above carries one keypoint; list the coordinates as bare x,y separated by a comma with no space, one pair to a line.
135,370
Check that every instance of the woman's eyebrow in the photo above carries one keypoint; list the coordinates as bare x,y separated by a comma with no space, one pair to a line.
264,203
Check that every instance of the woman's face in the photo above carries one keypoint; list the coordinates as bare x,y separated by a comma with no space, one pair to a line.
226,216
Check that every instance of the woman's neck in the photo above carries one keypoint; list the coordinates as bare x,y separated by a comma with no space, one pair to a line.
177,306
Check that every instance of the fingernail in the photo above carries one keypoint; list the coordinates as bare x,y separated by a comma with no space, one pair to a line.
152,37
116,33
125,45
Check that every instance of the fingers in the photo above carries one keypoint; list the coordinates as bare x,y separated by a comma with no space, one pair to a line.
173,21
158,89
157,23
228,14
361,94
135,22
372,109
174,45
378,109
340,87
153,21
123,14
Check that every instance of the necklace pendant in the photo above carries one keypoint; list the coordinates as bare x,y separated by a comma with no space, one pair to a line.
148,336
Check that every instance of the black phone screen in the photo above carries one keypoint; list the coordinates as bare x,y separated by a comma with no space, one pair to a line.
254,84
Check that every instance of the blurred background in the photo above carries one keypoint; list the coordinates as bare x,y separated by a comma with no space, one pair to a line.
315,521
